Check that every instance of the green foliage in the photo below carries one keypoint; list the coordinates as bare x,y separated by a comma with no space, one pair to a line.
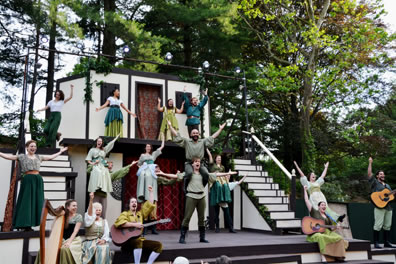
86,65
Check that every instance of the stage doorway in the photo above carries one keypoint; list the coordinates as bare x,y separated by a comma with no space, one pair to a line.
148,119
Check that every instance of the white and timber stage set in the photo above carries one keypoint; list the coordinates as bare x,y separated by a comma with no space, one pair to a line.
257,240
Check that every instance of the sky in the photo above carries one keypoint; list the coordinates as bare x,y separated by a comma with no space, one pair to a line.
390,19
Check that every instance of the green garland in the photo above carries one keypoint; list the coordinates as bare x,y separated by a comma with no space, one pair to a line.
263,210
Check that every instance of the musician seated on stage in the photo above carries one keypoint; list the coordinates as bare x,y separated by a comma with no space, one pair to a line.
332,246
134,219
96,248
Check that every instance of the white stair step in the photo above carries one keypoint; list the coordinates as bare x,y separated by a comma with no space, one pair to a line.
258,179
242,162
277,207
271,200
54,179
55,195
60,157
52,163
251,173
282,215
247,168
293,223
55,169
55,186
266,192
259,186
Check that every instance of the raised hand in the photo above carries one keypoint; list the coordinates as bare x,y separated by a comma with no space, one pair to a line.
326,164
91,195
222,125
64,149
205,92
159,100
370,160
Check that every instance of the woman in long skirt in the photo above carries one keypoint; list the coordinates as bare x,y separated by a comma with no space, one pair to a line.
114,119
53,122
31,194
315,194
147,177
332,245
97,235
100,177
169,112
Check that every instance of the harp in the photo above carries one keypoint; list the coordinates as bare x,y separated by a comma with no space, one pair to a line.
49,254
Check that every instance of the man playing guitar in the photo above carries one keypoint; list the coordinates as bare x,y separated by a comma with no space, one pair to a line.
133,218
382,216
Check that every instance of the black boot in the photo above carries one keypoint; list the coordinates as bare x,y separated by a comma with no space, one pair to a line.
228,219
202,234
183,232
217,220
341,218
154,230
376,239
387,242
144,228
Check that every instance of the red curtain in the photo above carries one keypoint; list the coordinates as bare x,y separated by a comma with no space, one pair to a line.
148,115
170,197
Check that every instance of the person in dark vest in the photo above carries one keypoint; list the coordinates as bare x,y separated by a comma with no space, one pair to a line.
382,216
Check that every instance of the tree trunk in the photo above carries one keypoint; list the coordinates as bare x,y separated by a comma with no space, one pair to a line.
109,45
34,80
51,63
187,43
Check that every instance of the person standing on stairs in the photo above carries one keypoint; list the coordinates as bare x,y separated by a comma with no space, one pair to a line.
31,193
220,193
315,194
382,216
52,125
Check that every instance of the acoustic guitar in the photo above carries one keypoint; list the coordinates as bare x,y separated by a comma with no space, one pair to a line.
382,198
121,235
310,225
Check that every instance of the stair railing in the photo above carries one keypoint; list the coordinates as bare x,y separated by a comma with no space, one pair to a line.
291,176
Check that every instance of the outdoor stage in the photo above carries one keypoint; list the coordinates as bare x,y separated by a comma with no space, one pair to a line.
246,247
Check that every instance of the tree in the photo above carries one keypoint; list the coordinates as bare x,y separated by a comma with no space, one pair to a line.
317,55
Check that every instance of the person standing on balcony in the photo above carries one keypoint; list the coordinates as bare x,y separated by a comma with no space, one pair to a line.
147,177
382,216
194,110
31,193
52,125
114,119
315,194
169,115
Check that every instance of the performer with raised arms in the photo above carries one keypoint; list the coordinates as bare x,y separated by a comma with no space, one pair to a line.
194,110
169,115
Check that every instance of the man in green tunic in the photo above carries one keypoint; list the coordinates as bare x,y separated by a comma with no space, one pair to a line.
193,110
382,217
195,147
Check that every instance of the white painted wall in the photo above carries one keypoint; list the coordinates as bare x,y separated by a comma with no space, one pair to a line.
96,124
11,250
251,217
6,168
73,112
237,207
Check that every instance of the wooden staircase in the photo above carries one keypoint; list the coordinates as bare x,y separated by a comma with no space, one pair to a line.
269,194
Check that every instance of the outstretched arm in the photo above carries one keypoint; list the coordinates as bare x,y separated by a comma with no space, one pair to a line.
43,109
210,156
162,144
324,171
168,175
71,94
180,111
241,180
127,110
53,156
369,169
103,106
174,132
217,133
220,174
8,156
298,169
159,108
307,202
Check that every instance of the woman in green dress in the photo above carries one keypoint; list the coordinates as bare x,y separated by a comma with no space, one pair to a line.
147,177
169,114
53,122
114,118
332,245
100,178
96,247
31,193
71,252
